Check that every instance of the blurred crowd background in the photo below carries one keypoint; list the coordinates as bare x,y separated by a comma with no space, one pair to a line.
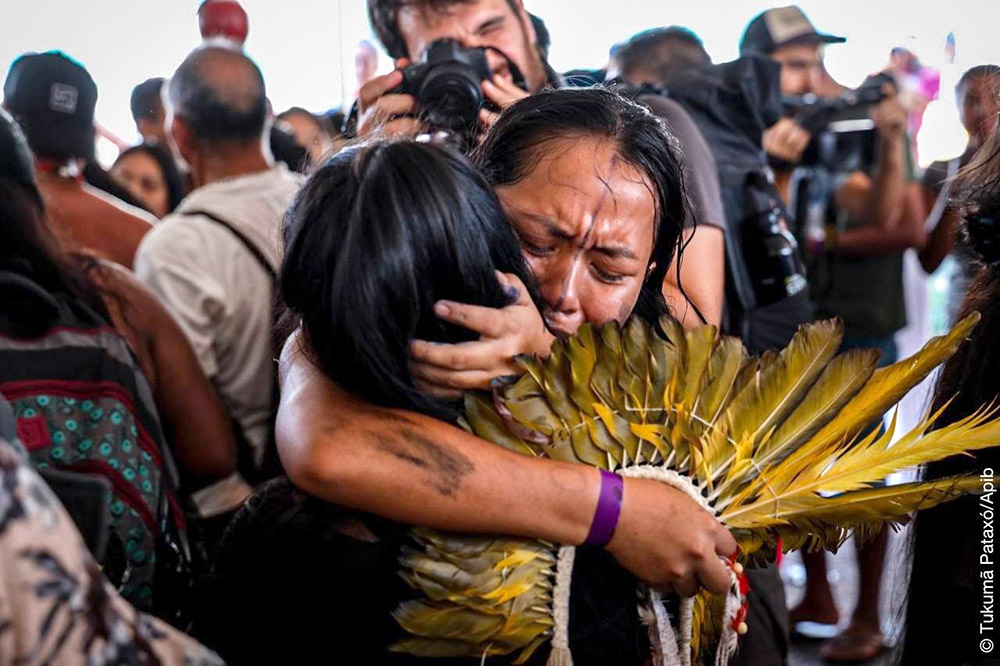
307,49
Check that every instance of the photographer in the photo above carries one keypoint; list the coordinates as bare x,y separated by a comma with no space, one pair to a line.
657,55
406,29
860,220
875,202
977,96
514,52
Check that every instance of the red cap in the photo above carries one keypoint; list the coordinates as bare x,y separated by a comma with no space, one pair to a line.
223,18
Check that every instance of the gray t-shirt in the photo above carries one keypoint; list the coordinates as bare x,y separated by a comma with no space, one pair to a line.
700,172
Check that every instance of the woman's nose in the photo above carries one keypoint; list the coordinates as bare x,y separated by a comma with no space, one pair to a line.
562,292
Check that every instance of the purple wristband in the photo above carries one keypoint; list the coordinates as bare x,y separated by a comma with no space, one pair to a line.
609,507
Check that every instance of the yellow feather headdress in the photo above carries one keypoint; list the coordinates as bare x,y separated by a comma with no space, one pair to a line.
774,443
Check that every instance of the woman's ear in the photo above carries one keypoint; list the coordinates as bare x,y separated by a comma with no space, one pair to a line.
652,266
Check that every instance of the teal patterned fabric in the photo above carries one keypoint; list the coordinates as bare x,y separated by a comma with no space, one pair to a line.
100,435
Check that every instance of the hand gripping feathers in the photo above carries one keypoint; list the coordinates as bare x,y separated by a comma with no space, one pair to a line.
757,438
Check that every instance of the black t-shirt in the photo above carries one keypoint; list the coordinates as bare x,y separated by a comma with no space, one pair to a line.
297,578
771,327
865,291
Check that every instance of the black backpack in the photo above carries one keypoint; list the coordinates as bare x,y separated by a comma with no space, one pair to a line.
732,104
82,406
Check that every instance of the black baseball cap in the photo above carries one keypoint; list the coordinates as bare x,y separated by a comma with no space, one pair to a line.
782,26
52,97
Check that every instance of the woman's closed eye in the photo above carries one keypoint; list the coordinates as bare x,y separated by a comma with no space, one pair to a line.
607,276
535,249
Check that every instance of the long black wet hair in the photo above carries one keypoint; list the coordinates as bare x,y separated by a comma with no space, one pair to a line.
946,589
516,143
973,373
376,236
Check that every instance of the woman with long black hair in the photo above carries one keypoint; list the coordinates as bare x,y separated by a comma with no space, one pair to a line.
949,618
390,263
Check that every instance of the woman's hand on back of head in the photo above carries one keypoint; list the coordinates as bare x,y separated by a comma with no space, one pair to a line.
447,370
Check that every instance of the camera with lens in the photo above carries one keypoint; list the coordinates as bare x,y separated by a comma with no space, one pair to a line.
844,140
818,114
447,84
770,249
842,129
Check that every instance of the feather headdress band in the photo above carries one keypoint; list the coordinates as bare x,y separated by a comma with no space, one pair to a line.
774,446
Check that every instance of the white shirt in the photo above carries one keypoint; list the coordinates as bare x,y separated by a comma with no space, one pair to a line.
221,296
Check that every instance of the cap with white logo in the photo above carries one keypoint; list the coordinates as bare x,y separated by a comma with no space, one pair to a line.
53,98
63,98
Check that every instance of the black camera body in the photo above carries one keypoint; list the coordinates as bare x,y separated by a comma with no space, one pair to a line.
447,84
844,141
817,114
770,249
843,132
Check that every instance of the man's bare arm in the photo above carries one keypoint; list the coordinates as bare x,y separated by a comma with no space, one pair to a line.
883,207
941,237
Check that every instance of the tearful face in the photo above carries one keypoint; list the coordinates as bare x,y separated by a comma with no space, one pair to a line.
586,221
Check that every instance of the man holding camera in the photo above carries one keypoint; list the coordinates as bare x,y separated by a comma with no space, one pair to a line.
876,201
856,273
406,29
515,67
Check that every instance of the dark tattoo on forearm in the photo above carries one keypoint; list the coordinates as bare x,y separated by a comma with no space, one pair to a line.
445,467
384,415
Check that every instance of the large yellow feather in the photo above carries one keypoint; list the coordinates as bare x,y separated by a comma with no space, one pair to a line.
870,460
883,390
777,391
769,438
728,358
840,381
890,504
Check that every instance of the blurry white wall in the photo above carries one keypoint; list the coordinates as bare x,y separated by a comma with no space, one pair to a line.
305,48
582,30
